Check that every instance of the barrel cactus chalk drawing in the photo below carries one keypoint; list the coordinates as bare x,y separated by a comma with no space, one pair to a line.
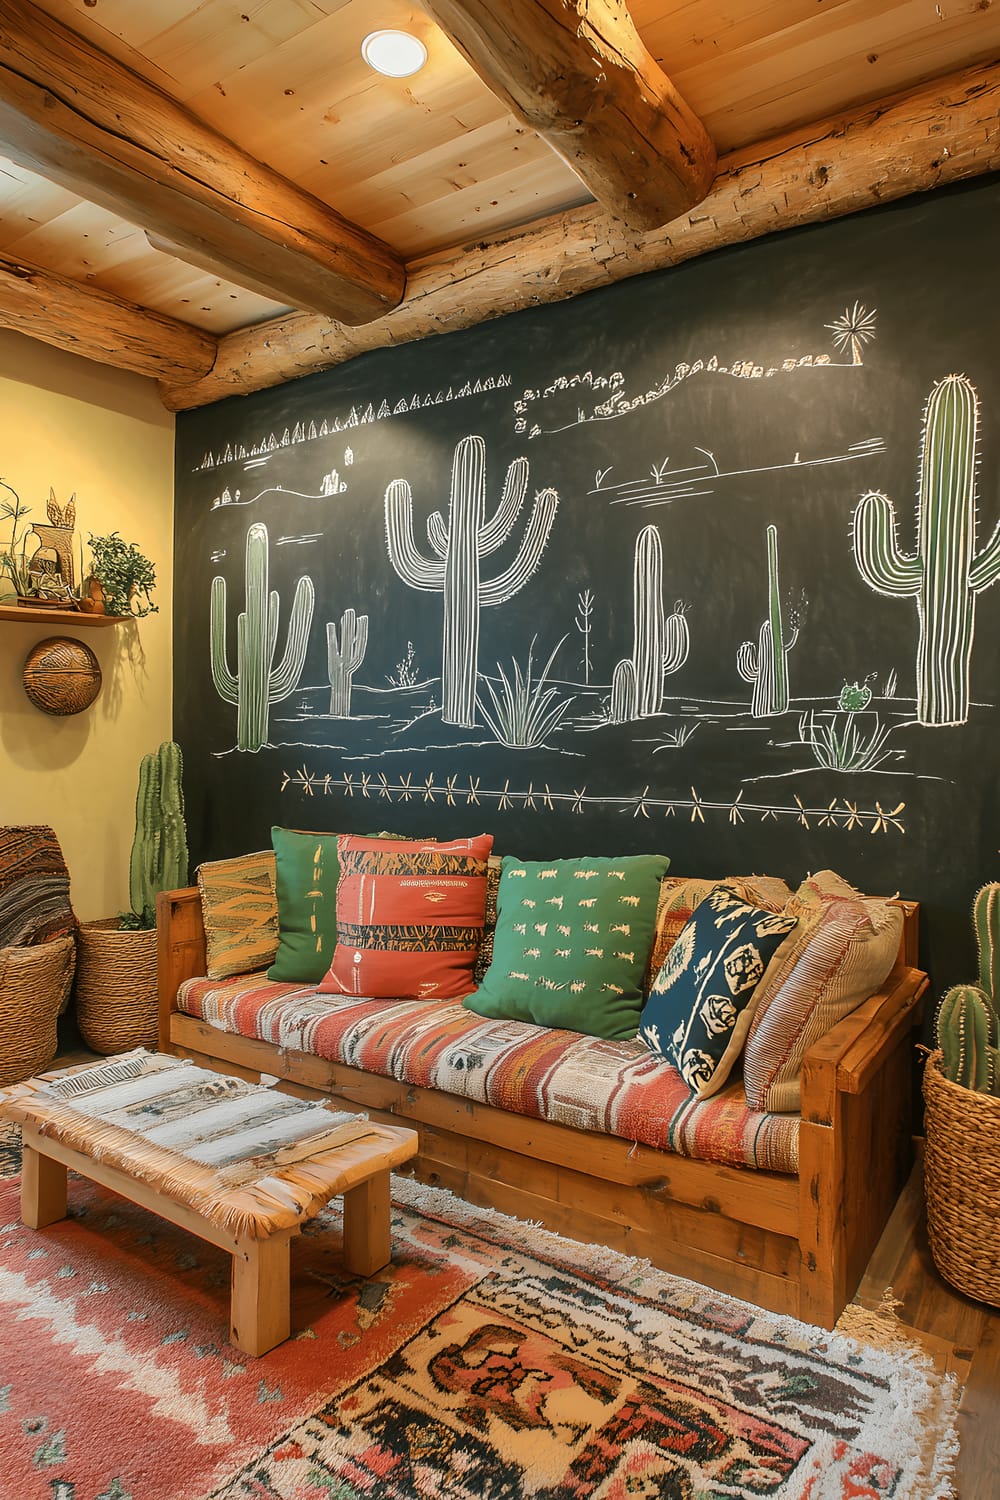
764,663
257,683
660,642
344,657
945,573
459,546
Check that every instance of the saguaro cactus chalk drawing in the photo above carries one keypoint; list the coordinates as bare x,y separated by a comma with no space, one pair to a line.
257,683
344,657
459,546
764,663
944,574
660,642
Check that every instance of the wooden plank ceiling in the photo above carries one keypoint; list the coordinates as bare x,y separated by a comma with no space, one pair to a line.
435,164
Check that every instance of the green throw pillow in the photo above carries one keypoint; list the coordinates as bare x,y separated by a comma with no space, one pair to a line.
306,875
571,943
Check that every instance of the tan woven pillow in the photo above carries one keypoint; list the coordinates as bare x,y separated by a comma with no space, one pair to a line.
679,895
840,953
240,913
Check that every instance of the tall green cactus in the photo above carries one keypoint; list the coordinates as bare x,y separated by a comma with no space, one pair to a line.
159,860
256,683
986,920
660,642
459,547
967,1024
944,574
765,664
344,657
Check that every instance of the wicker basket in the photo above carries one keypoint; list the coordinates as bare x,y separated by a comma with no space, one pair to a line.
962,1183
116,998
34,981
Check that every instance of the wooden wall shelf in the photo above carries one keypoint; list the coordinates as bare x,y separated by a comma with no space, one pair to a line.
70,619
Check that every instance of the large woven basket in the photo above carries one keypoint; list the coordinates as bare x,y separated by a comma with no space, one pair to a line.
116,1004
962,1183
34,981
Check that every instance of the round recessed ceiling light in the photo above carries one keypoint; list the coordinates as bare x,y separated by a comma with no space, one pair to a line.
394,53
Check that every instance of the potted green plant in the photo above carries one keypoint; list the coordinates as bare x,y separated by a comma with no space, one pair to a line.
116,992
14,561
126,577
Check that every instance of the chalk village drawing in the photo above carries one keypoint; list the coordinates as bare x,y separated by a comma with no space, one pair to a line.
459,545
257,683
463,790
660,642
854,328
945,573
310,431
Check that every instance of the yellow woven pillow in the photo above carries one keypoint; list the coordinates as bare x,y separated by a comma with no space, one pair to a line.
240,913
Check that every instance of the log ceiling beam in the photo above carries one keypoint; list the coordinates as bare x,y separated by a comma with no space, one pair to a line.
580,76
92,323
80,118
939,133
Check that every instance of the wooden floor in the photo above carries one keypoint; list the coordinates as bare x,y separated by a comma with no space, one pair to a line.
960,1335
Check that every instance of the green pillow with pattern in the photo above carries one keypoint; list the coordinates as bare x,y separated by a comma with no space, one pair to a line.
571,943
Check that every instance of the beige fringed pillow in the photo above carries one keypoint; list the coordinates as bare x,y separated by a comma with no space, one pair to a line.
679,895
240,912
841,952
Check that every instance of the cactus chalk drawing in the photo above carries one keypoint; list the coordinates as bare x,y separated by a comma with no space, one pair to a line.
945,573
256,683
765,664
344,657
660,642
460,544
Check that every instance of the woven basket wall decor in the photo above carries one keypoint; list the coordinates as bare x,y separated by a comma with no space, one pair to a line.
116,995
34,981
61,676
962,1183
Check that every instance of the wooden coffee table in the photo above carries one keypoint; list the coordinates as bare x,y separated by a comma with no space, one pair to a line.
259,1307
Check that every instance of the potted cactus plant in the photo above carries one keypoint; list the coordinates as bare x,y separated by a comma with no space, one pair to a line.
962,1126
116,994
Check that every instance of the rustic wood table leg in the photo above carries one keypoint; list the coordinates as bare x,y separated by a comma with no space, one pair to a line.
260,1315
367,1241
43,1189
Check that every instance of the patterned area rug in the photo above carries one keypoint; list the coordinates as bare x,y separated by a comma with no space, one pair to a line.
490,1361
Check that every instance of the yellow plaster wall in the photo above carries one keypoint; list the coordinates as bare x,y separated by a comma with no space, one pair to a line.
75,425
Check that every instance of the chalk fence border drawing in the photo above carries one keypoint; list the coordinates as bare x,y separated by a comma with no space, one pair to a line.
464,790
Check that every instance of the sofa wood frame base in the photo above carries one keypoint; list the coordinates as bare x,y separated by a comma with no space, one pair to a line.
795,1245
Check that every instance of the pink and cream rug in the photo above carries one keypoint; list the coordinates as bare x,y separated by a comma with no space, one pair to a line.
490,1361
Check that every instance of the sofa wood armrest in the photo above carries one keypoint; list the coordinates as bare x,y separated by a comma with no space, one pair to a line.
851,1053
180,950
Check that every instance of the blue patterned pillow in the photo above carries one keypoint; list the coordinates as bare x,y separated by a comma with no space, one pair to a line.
700,1006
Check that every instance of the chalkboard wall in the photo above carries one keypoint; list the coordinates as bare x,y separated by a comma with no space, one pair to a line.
701,563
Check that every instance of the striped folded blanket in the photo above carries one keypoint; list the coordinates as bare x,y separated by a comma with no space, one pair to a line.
34,887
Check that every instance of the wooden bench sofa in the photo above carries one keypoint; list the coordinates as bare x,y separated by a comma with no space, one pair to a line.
790,1244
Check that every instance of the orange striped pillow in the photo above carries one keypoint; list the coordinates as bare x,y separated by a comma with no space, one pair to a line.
410,917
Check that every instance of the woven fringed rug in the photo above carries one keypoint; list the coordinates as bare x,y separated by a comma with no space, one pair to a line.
490,1361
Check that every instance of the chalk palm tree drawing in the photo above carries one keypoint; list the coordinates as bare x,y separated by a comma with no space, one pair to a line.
854,328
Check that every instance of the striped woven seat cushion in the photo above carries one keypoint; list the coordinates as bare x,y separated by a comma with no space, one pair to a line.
592,1083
